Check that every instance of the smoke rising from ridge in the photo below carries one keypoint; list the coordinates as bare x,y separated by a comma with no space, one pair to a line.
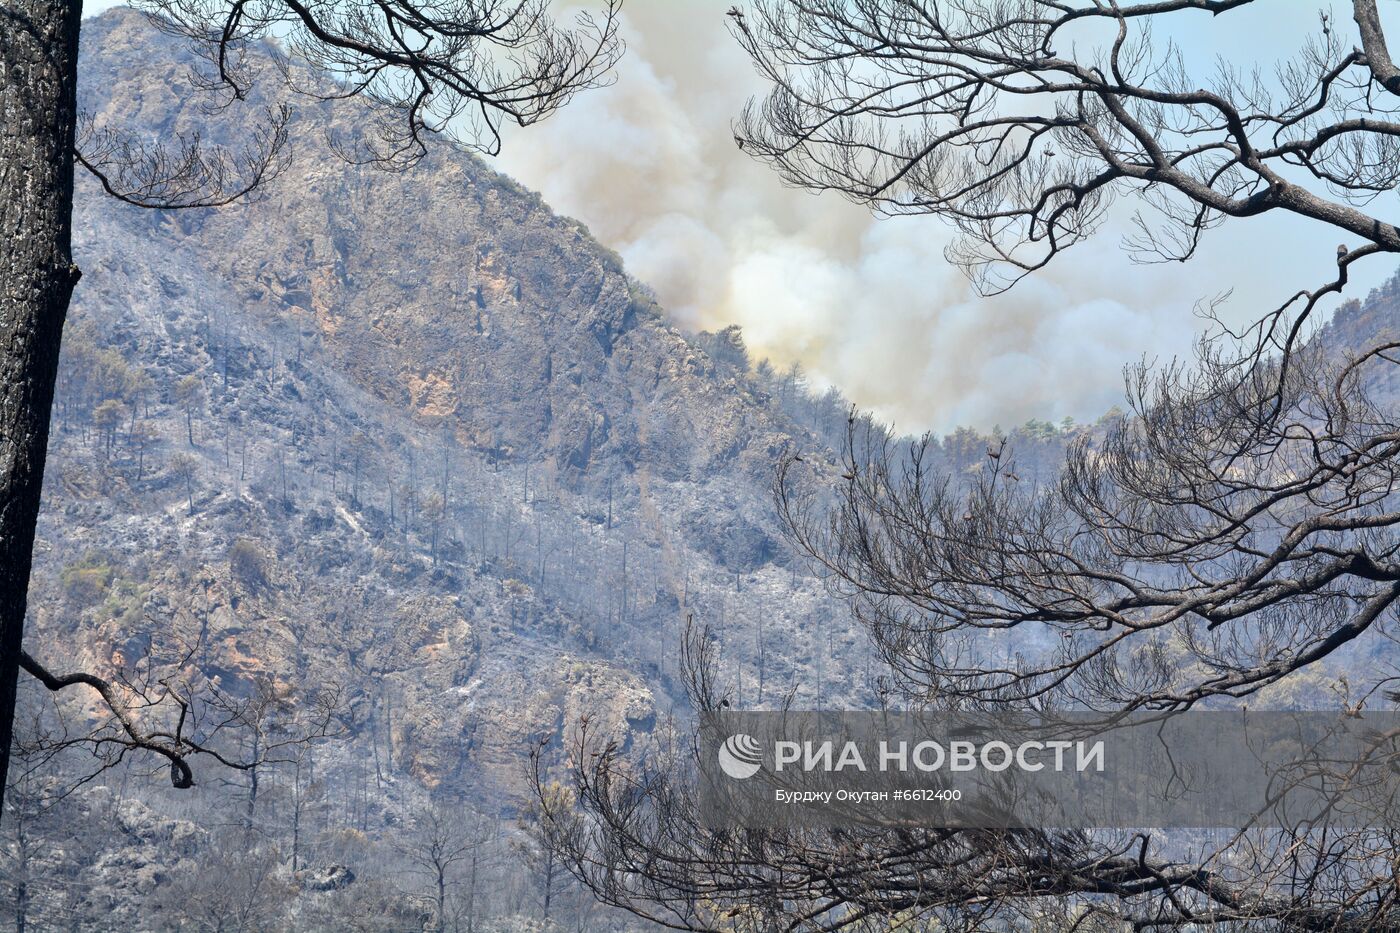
867,304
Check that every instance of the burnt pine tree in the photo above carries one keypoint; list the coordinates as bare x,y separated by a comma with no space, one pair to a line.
463,67
1238,530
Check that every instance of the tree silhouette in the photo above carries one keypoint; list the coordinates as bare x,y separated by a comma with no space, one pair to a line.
1233,531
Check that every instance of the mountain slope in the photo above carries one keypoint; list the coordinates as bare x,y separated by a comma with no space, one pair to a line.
415,437
410,437
477,468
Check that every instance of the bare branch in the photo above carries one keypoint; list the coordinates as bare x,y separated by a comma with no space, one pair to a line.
457,67
188,174
968,111
193,721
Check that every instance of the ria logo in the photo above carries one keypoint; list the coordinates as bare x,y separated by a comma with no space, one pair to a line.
740,756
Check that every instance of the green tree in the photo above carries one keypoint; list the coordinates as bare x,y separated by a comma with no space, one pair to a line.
245,562
185,469
433,511
141,436
107,417
361,448
188,393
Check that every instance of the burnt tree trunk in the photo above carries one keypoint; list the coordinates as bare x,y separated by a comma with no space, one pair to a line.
38,108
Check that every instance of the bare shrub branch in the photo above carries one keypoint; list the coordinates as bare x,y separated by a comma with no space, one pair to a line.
162,705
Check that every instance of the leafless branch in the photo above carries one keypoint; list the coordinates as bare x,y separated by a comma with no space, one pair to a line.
159,707
187,174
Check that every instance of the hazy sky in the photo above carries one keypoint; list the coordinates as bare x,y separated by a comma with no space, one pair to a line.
869,304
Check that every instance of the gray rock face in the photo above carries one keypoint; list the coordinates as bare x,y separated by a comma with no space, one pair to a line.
417,438
424,391
413,437
737,542
329,878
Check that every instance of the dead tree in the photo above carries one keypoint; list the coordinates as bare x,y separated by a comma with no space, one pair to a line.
161,705
1020,122
446,841
458,66
1235,530
633,833
1243,506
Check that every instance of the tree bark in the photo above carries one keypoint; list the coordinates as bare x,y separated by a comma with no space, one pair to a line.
38,108
441,899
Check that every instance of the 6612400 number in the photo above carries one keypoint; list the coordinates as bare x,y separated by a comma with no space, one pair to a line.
946,795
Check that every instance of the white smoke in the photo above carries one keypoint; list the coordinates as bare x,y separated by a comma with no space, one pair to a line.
868,305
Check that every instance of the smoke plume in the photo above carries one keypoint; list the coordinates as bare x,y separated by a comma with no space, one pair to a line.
866,304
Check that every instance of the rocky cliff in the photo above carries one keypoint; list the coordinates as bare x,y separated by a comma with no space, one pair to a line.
414,439
410,436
